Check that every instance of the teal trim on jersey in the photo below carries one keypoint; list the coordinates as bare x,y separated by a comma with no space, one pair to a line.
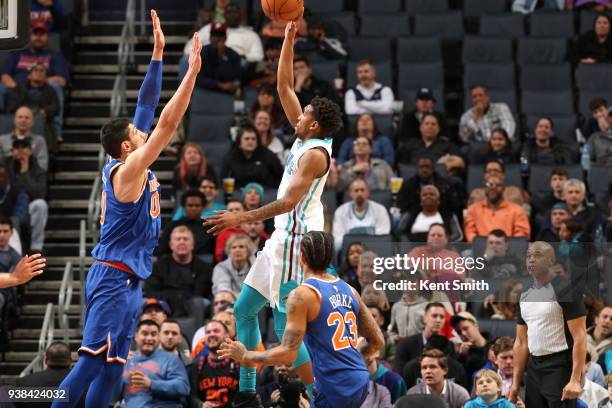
285,249
308,203
310,141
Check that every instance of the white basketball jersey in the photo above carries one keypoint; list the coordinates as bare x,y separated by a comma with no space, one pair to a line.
308,213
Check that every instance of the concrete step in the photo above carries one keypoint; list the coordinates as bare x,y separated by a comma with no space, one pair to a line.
106,94
115,27
95,109
40,309
35,334
64,221
12,368
32,345
82,135
77,191
80,147
84,82
116,39
169,69
25,356
42,297
36,322
46,285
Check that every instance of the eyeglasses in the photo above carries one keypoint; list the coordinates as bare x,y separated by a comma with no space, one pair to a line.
494,185
361,144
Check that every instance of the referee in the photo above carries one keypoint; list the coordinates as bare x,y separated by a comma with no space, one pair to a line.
550,336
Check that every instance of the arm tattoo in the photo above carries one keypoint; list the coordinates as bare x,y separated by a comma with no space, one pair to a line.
259,357
292,338
294,298
367,326
270,210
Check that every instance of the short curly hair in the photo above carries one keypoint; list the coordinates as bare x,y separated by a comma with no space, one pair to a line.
328,114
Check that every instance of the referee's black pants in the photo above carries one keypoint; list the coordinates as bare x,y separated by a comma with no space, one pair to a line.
546,378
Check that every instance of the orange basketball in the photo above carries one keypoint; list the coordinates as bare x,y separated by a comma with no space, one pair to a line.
284,10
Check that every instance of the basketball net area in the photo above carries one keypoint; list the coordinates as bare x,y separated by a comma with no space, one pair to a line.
14,24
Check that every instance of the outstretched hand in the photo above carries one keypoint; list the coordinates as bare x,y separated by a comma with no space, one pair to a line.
158,37
29,267
195,56
221,221
232,349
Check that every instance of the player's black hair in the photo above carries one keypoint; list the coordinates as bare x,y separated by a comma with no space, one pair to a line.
193,193
147,322
318,249
4,220
328,114
113,134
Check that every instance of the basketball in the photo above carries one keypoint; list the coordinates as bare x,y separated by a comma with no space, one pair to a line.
284,10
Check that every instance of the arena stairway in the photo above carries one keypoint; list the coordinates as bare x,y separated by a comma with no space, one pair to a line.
76,167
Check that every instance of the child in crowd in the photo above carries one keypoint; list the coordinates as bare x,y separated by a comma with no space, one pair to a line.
488,391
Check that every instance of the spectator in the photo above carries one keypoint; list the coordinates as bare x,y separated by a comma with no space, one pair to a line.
181,279
488,391
214,381
154,376
252,196
8,259
607,402
193,202
268,101
416,225
599,336
49,12
545,149
284,380
595,45
27,175
373,297
495,212
498,148
308,86
473,349
388,350
498,263
381,375
360,215
170,338
382,147
599,117
192,166
600,144
262,122
156,310
407,314
264,72
368,95
208,186
24,123
365,274
214,13
256,231
317,44
221,241
592,393
528,6
574,194
13,201
411,121
230,274
543,204
376,172
503,352
559,214
222,71
434,369
226,317
431,144
250,162
478,122
348,271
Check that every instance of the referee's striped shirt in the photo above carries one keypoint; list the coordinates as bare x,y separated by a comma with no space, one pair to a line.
545,310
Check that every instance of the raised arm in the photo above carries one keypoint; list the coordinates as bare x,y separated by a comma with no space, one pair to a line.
284,82
521,354
368,329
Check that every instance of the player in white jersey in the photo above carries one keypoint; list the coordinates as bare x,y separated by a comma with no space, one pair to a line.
297,210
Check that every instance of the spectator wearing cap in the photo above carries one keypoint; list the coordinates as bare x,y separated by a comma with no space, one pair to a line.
318,44
411,122
599,117
543,148
308,86
478,122
49,12
23,122
368,95
600,144
559,214
382,146
472,352
223,67
595,46
27,175
550,335
155,309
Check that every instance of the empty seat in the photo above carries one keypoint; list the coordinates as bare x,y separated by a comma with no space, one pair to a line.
503,25
539,175
411,76
419,49
551,24
507,96
599,181
594,76
208,127
384,73
326,70
414,7
546,77
205,101
480,7
487,50
384,123
215,152
346,20
325,6
366,7
382,25
585,96
408,95
374,49
564,127
541,51
475,175
547,103
449,25
493,76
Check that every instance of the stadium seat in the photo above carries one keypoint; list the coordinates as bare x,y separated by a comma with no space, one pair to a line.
408,171
68,6
374,49
414,76
493,76
586,95
480,7
210,102
541,51
269,195
516,246
551,24
367,7
545,77
414,7
608,279
547,103
497,328
408,95
539,176
6,124
383,73
326,70
564,127
325,6
384,123
346,20
449,25
380,244
487,50
599,182
55,42
507,96
383,24
594,76
383,197
215,152
419,49
420,401
475,173
209,128
503,25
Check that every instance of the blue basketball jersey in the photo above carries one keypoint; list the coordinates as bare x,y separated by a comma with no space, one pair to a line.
129,231
331,338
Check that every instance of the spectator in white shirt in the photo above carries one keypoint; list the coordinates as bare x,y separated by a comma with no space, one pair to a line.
478,122
368,96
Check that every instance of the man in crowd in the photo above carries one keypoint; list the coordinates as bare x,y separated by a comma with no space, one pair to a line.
600,144
599,118
542,204
574,195
13,202
256,231
558,215
495,212
503,354
171,337
308,86
472,351
23,120
360,215
214,381
434,369
477,122
27,175
368,96
8,259
599,336
411,122
223,68
156,310
430,143
153,376
499,264
35,93
182,279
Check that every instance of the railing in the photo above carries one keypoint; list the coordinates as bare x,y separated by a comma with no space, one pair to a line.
44,340
82,255
65,300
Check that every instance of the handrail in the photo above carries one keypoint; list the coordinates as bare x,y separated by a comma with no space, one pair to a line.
44,340
65,300
82,255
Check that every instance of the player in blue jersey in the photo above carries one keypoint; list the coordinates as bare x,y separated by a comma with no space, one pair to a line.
130,223
329,316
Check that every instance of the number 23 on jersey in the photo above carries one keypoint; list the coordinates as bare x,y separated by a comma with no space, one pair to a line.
340,339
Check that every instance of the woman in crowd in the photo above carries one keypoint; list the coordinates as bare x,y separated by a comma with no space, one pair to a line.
229,275
543,148
262,121
376,172
252,197
504,305
209,187
351,262
499,148
266,100
376,298
595,45
382,147
191,168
